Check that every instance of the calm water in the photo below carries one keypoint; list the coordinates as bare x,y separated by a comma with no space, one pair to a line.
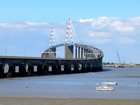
74,85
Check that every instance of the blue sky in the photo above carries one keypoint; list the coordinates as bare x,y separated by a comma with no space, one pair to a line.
111,25
59,10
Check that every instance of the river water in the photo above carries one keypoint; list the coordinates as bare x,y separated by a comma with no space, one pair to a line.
81,85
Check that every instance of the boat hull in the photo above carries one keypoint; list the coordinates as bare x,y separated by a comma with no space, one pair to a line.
104,88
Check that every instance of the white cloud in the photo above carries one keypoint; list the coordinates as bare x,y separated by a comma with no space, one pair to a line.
36,23
86,20
121,26
11,26
134,20
102,29
22,25
99,34
100,23
113,29
18,29
113,24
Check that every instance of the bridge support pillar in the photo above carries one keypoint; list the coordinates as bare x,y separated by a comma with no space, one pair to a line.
1,71
30,70
22,70
83,67
45,69
58,67
67,68
82,52
76,68
55,69
11,71
94,68
99,66
76,49
40,70
88,68
79,51
91,67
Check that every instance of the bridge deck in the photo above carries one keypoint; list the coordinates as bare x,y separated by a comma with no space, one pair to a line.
38,58
12,66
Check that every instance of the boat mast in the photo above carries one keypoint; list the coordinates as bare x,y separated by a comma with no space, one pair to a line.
118,57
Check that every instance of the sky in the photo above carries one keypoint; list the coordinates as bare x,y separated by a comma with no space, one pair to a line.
110,25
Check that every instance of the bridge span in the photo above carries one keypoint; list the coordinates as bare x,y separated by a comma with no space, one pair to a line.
86,59
77,58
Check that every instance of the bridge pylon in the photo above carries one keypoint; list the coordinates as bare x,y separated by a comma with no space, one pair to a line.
69,48
69,34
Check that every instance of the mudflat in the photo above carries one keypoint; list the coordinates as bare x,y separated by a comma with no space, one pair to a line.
65,101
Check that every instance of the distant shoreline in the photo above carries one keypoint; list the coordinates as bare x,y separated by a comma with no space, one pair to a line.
122,66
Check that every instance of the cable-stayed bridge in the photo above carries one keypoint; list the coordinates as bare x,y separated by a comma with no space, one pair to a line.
77,58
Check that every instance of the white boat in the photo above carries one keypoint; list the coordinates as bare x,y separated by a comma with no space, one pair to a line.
104,88
109,83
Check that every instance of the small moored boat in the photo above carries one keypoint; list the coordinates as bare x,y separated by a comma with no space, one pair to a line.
109,83
104,88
